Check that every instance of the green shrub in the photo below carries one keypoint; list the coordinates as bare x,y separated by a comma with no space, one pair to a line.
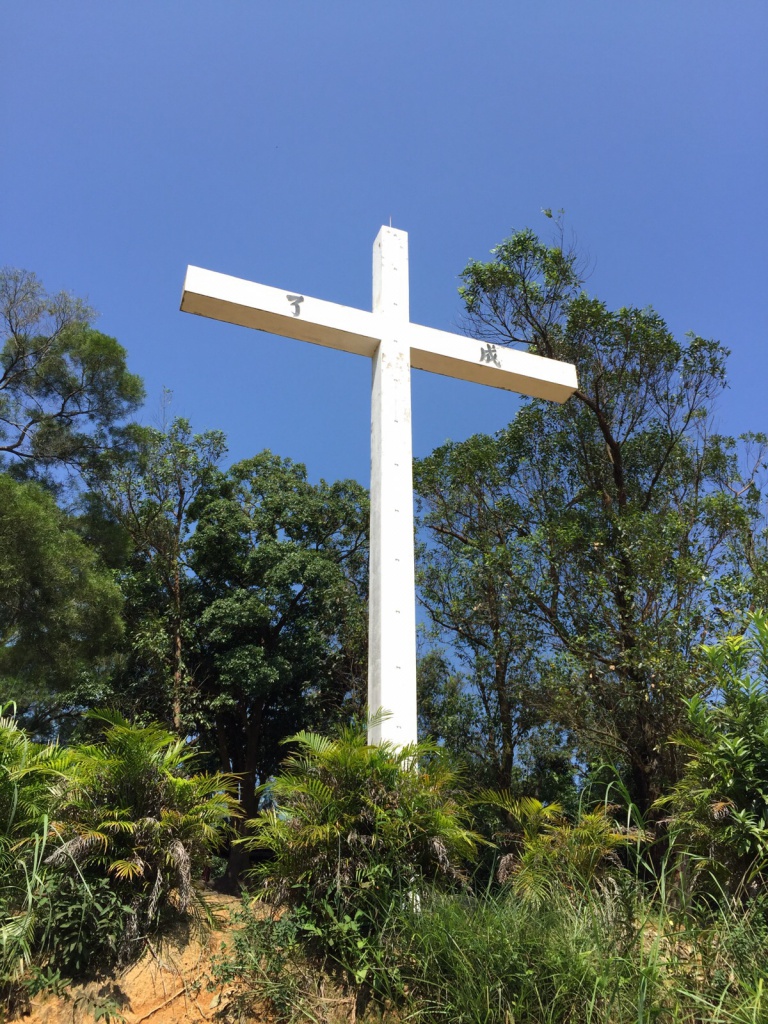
352,830
138,815
720,805
575,938
99,845
267,959
544,848
583,956
32,777
80,923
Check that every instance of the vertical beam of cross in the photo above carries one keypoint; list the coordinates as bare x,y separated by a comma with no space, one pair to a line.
392,604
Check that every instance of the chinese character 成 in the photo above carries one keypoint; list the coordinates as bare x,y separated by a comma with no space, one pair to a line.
488,355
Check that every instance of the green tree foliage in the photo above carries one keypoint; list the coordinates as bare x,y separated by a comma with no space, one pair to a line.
138,509
575,557
280,581
59,607
720,805
63,384
245,592
448,709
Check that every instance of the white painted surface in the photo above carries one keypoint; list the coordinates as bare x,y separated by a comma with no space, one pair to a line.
454,355
236,301
394,345
392,602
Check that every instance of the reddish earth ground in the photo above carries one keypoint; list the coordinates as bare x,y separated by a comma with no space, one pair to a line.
172,984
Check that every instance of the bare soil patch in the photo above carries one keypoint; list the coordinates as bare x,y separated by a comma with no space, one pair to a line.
172,984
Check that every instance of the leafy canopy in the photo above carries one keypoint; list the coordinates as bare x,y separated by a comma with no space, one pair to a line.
574,559
59,607
63,384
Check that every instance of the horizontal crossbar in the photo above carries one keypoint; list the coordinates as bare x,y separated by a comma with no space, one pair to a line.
292,315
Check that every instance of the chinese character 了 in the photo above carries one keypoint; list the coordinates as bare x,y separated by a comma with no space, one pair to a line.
295,301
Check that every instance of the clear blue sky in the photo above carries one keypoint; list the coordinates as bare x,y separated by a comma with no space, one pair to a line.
271,140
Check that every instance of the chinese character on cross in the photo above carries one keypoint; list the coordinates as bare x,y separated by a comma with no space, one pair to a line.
488,355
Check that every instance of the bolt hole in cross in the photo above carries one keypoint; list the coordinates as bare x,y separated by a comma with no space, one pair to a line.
395,346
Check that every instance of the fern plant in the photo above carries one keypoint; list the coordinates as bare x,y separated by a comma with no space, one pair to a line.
138,813
32,777
545,849
352,829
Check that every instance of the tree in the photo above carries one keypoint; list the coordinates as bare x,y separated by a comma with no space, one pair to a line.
278,603
473,604
281,569
59,607
245,594
63,385
578,553
146,487
450,713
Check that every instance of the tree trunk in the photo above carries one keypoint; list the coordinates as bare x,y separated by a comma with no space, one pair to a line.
246,767
177,649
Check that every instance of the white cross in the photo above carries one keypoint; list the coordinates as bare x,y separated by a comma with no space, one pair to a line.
394,345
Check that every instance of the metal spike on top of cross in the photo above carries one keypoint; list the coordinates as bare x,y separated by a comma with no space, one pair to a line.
394,345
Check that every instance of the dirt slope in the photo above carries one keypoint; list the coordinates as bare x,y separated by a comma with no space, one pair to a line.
170,985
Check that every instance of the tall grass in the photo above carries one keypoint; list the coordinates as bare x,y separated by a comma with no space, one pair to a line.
18,916
617,953
589,921
609,956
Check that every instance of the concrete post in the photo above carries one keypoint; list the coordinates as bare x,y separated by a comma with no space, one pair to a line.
392,606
